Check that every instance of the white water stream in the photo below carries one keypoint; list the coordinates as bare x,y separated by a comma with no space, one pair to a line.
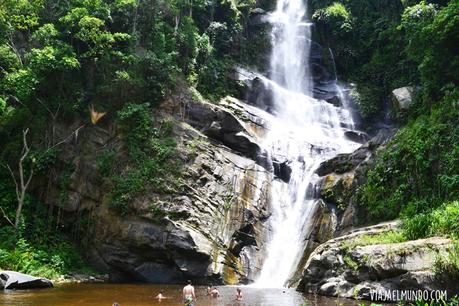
305,132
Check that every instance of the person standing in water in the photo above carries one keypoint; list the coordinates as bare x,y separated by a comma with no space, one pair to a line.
188,294
238,294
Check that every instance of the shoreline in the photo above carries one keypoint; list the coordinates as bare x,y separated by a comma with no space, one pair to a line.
81,278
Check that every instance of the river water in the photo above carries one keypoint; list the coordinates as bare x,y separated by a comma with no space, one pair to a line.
144,294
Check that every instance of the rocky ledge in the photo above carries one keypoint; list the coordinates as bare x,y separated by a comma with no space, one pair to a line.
346,267
16,280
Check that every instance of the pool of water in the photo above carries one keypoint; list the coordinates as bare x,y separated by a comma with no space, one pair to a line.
144,294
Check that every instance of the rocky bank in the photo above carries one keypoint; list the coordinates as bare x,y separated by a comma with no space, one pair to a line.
349,267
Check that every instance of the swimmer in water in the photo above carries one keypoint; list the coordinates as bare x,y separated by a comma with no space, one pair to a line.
214,293
161,296
238,295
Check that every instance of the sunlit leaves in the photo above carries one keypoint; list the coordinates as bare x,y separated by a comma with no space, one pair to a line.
21,84
8,59
21,14
45,35
335,16
50,58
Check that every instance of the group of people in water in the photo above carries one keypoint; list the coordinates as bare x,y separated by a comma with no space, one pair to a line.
189,295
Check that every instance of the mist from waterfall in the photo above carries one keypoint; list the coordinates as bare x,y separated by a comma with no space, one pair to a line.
304,132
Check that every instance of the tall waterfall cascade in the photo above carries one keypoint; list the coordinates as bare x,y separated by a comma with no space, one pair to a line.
303,132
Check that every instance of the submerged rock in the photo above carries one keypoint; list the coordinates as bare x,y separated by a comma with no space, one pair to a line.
16,280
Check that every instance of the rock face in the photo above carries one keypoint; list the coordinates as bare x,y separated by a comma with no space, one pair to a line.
322,230
336,212
402,98
16,280
342,175
212,230
343,268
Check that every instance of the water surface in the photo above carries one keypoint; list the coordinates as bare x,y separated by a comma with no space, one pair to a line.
144,294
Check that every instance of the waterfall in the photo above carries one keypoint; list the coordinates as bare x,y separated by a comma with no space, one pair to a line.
303,133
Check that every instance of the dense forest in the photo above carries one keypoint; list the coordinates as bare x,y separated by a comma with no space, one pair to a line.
100,61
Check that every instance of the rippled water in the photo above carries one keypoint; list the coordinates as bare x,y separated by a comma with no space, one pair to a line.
143,294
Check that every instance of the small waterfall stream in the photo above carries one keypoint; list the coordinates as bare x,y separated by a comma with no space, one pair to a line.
303,132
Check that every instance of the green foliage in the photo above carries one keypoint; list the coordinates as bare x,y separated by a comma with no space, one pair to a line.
51,259
448,264
381,238
445,220
367,100
387,237
351,263
135,120
433,35
156,211
21,84
442,221
114,53
38,249
152,162
123,57
382,45
418,171
452,302
105,162
43,159
214,80
8,59
335,17
417,226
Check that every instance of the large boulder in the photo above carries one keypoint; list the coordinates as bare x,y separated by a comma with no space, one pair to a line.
402,98
345,267
16,280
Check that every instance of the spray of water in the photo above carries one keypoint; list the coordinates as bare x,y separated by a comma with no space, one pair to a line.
304,132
